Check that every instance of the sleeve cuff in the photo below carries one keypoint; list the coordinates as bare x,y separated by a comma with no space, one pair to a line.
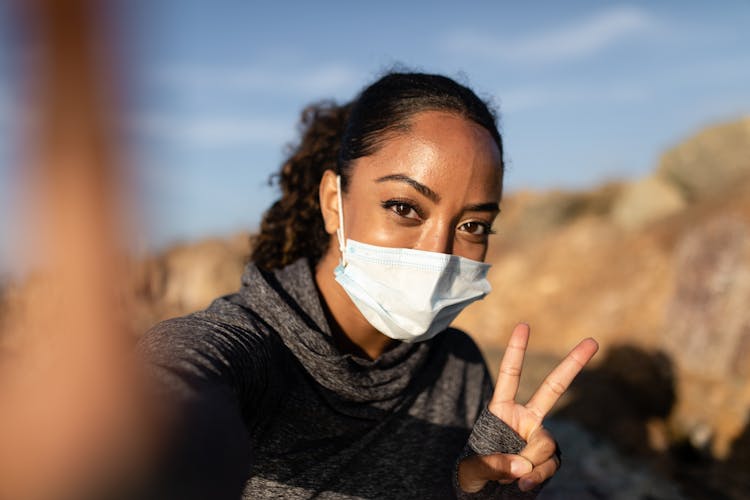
491,435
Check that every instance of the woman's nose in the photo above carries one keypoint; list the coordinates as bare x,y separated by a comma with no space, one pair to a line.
440,241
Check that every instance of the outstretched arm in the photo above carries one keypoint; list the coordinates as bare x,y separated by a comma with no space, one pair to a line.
536,461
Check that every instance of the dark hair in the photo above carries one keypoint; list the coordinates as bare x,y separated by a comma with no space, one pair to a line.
333,137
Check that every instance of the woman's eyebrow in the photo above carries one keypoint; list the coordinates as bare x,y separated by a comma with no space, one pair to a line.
429,193
483,207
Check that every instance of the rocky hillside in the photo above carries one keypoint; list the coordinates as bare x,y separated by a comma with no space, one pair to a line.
658,270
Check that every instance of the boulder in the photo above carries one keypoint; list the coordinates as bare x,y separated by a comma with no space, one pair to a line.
646,200
710,161
187,278
707,331
542,213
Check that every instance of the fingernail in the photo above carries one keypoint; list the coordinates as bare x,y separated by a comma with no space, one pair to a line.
519,467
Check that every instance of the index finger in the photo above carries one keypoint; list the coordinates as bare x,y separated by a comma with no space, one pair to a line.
559,379
511,365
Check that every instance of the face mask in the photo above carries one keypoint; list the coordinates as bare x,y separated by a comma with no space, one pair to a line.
408,295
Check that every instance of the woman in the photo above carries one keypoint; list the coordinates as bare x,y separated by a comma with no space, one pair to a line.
332,372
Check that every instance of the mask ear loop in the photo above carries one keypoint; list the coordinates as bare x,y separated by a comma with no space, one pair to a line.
340,229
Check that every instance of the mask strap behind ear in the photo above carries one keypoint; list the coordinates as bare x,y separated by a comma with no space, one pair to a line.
340,230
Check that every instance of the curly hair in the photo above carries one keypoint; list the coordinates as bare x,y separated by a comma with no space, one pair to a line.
293,226
333,137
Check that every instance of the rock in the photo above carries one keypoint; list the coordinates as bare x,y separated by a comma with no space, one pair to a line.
707,330
542,213
593,469
187,278
732,474
645,201
710,161
622,399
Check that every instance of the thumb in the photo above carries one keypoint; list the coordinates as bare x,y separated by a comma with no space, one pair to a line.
475,471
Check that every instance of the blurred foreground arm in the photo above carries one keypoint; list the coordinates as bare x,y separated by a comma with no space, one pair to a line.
72,411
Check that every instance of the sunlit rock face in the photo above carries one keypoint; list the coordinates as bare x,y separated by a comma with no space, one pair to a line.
660,264
707,330
187,278
710,162
647,200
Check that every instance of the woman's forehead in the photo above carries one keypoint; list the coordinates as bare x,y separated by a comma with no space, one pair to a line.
439,149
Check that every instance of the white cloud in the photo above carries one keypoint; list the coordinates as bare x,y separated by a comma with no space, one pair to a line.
213,131
323,80
578,40
535,97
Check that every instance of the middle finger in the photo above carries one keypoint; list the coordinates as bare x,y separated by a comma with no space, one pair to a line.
559,379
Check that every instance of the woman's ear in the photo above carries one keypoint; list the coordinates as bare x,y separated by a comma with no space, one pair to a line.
329,205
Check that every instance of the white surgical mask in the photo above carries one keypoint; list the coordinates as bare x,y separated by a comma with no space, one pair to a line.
408,295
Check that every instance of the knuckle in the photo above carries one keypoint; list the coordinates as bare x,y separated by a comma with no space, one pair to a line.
542,435
551,469
547,447
489,466
486,465
502,468
544,432
500,465
536,476
536,412
555,386
539,477
512,371
578,362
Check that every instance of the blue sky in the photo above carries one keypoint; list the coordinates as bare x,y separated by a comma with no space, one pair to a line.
587,91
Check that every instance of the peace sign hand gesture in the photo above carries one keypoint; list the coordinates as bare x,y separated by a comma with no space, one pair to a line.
537,461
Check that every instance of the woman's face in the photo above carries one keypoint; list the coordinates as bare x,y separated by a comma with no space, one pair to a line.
434,188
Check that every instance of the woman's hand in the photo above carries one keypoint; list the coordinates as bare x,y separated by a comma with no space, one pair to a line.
537,461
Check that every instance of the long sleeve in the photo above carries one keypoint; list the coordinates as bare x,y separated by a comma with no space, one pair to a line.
201,382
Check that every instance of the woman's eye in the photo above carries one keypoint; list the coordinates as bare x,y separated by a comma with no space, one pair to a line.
402,209
405,210
476,228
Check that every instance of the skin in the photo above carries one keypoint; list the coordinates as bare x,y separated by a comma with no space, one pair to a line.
437,187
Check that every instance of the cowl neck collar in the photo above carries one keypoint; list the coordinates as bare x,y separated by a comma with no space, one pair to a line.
288,300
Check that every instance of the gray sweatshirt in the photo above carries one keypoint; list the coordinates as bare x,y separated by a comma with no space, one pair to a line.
270,408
